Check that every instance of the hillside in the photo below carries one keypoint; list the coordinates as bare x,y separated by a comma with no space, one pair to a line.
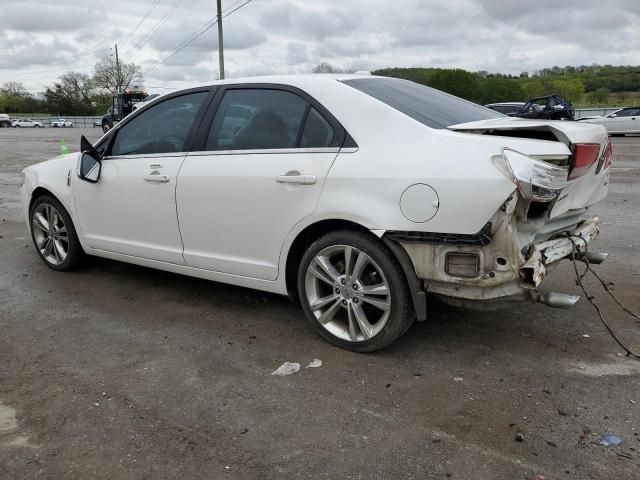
584,86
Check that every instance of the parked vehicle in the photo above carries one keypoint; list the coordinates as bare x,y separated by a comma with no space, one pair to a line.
122,105
5,120
61,123
355,194
150,98
26,123
506,108
551,107
623,121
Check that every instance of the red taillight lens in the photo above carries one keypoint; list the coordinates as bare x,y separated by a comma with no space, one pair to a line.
584,155
606,158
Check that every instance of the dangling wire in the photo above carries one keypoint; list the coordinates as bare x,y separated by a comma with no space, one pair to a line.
608,290
590,297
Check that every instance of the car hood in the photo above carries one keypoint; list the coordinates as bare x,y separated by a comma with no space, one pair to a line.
566,131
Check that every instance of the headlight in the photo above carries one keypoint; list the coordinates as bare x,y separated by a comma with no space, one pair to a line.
536,180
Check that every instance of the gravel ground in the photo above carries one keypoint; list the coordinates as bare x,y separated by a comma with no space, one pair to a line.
118,371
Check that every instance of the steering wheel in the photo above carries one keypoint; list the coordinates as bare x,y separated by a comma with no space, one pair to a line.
170,143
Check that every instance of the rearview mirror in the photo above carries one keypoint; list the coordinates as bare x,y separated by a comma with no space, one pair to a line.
89,168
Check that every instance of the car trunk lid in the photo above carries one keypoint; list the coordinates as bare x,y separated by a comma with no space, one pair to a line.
579,193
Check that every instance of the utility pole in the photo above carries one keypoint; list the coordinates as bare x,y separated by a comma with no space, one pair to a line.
220,42
118,76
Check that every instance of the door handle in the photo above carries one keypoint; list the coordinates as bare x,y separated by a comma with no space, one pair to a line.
156,178
298,179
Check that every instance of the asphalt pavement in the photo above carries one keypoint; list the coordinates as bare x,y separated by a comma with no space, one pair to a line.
117,371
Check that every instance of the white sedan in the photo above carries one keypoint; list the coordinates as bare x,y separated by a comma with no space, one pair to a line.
26,123
354,194
61,123
620,122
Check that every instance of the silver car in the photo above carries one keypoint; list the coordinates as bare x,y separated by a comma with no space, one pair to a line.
623,121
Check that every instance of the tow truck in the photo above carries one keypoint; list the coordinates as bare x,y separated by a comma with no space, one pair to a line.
122,104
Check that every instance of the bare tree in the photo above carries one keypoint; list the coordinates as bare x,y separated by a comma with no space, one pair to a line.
14,89
325,67
109,77
71,95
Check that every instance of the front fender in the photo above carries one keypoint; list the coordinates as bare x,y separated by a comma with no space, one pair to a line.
55,176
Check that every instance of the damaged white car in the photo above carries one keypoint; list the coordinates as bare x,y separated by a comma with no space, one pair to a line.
355,194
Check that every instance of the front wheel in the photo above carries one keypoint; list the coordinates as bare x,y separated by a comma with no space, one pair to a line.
354,292
105,127
54,235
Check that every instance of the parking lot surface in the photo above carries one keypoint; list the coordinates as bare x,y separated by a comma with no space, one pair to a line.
118,371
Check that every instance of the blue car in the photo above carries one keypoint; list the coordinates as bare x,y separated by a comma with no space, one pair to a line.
551,107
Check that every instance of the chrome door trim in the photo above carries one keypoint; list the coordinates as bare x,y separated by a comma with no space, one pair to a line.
265,151
146,155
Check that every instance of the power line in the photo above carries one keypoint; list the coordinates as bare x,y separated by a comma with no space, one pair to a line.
236,9
203,29
155,28
69,60
144,17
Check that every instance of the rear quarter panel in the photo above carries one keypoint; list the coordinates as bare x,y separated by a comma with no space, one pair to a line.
395,152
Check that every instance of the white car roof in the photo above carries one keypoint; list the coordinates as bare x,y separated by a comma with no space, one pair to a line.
294,80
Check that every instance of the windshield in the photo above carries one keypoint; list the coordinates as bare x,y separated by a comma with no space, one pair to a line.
428,106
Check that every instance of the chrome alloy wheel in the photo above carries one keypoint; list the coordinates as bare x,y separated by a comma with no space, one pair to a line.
50,233
348,293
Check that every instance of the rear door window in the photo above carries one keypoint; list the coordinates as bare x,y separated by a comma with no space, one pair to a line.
317,132
256,119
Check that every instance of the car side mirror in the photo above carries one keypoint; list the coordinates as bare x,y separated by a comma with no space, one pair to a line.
613,115
90,168
90,165
557,107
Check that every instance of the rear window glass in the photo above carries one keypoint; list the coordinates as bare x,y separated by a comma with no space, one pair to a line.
429,106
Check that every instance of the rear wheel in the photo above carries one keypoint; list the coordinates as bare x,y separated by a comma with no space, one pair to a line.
54,235
354,292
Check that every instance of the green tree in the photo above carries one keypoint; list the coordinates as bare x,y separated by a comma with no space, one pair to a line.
14,98
600,96
571,90
499,89
456,82
532,89
71,95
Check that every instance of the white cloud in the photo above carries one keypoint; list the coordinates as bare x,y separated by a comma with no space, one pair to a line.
285,36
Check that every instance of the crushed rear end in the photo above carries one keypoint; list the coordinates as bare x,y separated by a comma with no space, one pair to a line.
557,177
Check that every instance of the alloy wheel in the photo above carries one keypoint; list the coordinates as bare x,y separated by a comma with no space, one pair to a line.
348,293
50,234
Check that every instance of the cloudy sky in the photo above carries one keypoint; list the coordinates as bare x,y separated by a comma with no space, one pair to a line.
43,39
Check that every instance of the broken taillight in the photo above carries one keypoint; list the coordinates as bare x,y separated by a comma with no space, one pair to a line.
606,158
584,156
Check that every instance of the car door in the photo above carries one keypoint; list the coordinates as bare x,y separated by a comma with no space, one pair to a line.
629,120
615,122
264,152
131,210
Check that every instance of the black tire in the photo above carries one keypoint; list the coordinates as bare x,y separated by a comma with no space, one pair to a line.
401,312
75,254
105,127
